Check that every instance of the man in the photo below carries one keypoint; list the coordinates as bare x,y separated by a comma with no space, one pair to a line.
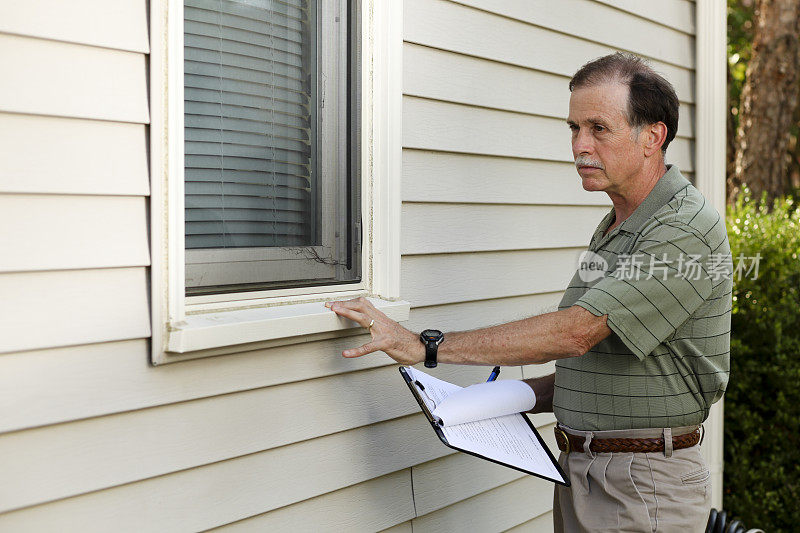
642,344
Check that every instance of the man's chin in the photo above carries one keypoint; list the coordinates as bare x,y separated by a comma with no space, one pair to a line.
593,184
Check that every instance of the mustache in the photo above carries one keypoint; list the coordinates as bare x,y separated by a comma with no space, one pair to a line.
583,161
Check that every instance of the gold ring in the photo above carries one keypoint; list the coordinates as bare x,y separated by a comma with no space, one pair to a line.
371,322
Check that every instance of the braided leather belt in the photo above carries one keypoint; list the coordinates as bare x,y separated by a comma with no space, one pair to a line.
574,443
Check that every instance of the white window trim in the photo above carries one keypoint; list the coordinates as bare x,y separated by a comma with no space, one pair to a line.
203,326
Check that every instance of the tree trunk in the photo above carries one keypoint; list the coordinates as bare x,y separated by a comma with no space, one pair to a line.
769,99
794,149
730,149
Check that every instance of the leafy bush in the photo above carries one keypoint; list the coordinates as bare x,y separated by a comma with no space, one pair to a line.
762,403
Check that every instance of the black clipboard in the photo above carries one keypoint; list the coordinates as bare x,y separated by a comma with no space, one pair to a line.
438,430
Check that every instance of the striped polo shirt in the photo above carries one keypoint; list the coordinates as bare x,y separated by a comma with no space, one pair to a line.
664,278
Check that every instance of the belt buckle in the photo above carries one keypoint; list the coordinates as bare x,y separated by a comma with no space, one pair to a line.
563,435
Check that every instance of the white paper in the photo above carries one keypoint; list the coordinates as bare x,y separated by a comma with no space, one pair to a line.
485,400
506,439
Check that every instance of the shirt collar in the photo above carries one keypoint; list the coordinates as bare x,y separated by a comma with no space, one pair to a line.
665,188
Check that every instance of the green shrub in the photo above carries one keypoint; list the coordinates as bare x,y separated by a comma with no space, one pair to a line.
762,403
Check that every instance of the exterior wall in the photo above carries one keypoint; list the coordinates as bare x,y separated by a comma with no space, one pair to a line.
95,438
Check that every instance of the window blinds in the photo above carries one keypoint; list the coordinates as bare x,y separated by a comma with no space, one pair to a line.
249,123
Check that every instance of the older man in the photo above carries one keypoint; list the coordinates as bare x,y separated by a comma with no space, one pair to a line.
642,340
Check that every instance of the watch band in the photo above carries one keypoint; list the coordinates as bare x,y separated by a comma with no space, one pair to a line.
431,348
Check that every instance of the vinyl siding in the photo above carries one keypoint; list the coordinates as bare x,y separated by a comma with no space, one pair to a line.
291,437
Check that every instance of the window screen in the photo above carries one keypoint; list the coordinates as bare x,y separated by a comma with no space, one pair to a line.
271,177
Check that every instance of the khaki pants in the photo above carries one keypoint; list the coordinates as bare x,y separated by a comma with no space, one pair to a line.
633,491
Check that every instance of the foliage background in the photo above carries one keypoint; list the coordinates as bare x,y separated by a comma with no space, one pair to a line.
762,404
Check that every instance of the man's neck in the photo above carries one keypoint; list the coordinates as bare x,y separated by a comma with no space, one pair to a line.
626,202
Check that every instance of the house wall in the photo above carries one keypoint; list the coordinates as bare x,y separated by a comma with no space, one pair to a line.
94,438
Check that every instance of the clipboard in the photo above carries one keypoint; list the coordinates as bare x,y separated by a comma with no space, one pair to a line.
438,430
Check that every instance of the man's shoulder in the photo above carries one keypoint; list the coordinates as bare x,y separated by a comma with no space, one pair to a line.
688,211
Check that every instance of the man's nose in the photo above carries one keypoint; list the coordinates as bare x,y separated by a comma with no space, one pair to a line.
582,143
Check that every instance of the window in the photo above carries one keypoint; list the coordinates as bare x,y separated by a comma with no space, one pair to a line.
275,158
271,144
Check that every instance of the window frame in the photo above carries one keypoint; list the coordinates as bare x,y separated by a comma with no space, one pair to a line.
201,326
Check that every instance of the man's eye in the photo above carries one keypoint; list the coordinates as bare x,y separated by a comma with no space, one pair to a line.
598,127
573,127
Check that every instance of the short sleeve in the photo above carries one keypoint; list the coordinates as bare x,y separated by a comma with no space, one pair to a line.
655,288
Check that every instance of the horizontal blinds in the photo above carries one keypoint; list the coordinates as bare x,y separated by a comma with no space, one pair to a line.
248,69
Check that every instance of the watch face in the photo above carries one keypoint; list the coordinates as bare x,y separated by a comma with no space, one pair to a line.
432,335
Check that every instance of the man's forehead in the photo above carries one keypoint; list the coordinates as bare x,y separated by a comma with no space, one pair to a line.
607,102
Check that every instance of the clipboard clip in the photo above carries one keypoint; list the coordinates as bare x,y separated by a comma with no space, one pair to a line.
416,388
422,389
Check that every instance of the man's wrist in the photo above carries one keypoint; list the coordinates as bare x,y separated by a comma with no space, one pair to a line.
418,351
415,350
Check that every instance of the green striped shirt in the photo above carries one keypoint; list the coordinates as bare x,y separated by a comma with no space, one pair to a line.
664,278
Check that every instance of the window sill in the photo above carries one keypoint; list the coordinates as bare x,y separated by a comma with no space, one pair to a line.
287,322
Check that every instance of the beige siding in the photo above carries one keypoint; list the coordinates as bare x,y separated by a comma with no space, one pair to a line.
591,21
449,278
404,527
676,14
368,506
493,510
454,27
541,524
67,307
120,25
292,437
215,494
83,156
44,77
482,227
55,232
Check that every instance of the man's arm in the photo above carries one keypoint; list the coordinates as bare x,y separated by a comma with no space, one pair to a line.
538,339
544,388
568,333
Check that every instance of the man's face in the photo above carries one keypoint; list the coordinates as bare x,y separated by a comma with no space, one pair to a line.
606,150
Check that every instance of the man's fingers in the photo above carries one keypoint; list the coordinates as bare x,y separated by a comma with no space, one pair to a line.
355,316
361,350
357,304
350,304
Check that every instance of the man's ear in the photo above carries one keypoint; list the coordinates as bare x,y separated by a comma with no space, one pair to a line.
654,137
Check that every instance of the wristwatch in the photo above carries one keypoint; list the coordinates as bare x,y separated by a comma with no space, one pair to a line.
431,338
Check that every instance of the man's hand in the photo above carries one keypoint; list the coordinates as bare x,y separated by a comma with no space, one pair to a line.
387,335
544,388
